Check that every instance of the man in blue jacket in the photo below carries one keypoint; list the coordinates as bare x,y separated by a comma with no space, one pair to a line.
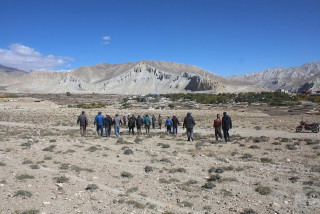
147,123
168,125
99,122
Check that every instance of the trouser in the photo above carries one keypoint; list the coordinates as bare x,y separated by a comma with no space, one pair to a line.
83,130
217,133
139,129
131,129
226,134
175,129
108,131
117,130
160,125
100,129
153,125
190,133
147,128
168,129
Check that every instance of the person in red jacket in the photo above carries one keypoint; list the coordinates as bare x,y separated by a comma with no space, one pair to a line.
217,127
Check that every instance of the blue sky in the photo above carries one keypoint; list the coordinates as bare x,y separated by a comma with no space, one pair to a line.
227,37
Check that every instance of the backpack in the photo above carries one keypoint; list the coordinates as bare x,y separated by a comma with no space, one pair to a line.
168,122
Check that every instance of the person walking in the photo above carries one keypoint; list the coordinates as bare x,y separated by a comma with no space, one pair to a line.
82,119
117,122
188,123
154,122
175,123
160,121
139,123
99,122
147,123
168,124
131,123
108,124
124,117
217,127
226,125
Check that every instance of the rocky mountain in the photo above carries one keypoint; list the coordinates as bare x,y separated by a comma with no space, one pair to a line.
142,77
294,79
9,75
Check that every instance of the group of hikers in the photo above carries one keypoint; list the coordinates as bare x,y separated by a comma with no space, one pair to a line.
105,123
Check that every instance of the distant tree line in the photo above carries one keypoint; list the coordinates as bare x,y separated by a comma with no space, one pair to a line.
270,98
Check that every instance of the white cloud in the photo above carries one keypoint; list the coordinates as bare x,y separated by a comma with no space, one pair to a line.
106,39
27,59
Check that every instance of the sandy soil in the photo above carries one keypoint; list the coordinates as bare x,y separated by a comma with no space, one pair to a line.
46,166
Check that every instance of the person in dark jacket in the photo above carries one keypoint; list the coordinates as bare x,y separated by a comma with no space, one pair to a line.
188,123
131,123
139,123
175,123
99,122
226,125
82,119
168,124
108,122
154,122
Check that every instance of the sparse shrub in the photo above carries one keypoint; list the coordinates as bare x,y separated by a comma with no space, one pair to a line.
47,158
24,177
266,160
23,194
182,170
27,162
49,148
165,146
136,204
52,140
294,179
254,147
215,177
171,105
185,204
166,160
2,163
126,175
247,156
131,190
291,147
263,190
27,212
226,192
248,211
148,169
169,181
128,152
61,179
92,187
208,185
68,93
92,149
137,140
313,194
122,141
34,166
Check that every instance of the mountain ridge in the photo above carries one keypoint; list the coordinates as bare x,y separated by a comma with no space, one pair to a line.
147,76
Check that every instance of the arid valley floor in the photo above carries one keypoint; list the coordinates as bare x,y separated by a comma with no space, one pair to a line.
47,167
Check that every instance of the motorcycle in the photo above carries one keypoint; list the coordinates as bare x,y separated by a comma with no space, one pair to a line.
314,127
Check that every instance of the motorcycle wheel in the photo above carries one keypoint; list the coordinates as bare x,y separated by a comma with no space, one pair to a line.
315,130
299,129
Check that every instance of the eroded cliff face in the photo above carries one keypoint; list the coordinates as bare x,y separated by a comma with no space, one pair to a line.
198,84
128,78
